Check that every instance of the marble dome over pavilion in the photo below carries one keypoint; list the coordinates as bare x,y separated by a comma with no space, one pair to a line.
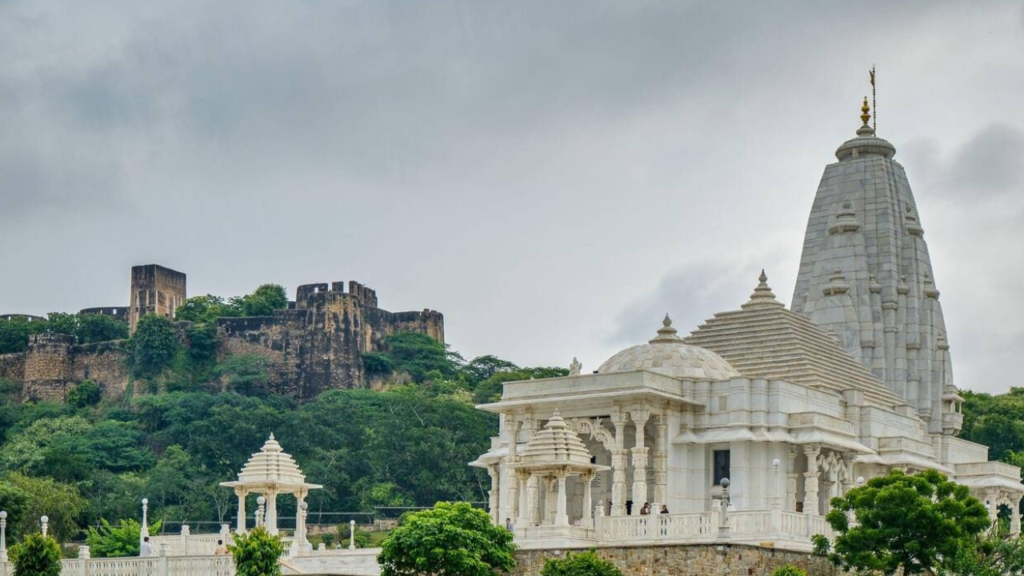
667,354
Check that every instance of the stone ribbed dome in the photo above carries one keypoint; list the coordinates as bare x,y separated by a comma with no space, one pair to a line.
271,465
555,444
866,142
669,355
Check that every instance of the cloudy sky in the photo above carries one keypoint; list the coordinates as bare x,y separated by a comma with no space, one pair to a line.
553,176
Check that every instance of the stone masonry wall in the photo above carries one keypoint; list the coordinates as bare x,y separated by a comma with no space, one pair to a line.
318,343
105,363
692,560
12,366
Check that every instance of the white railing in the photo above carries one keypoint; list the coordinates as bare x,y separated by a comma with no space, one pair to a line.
752,525
656,527
150,566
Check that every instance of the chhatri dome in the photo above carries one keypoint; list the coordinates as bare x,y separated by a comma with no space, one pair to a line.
667,354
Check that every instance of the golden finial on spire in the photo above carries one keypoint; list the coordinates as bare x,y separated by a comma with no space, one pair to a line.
865,112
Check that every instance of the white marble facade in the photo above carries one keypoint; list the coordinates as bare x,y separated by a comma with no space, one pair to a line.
775,400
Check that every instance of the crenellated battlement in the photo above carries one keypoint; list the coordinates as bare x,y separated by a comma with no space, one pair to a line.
306,294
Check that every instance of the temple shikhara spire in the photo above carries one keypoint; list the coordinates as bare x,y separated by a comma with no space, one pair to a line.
866,276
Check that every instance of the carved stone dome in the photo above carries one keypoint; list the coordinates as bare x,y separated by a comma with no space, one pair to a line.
271,465
555,444
669,355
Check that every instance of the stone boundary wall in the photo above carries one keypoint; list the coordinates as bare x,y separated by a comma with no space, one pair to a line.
688,560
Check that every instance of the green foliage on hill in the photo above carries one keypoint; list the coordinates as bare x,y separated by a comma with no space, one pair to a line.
153,346
86,328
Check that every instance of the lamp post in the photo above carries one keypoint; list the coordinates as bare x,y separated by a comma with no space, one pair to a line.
3,536
723,526
260,503
45,521
351,534
144,529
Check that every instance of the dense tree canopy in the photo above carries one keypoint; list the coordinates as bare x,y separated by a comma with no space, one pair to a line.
580,564
914,524
86,328
448,540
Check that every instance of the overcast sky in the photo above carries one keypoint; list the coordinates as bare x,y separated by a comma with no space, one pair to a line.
553,176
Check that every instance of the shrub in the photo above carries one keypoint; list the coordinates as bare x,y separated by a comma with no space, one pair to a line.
789,570
88,393
822,547
37,555
117,541
585,564
257,553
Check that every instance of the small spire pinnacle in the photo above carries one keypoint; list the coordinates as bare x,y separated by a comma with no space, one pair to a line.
865,112
762,295
666,333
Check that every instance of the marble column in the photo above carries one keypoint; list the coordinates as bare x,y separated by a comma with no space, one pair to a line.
660,459
550,500
849,480
587,521
619,463
241,493
271,521
493,495
523,516
1015,516
811,502
512,430
791,480
640,418
533,488
561,510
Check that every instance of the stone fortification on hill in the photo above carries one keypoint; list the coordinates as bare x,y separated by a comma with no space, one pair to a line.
315,344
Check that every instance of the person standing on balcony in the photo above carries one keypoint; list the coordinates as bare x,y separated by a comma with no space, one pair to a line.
145,549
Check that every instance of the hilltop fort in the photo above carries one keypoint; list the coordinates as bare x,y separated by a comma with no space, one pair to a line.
315,344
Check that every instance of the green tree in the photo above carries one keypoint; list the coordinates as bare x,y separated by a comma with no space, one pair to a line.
265,300
419,354
257,553
452,539
246,374
87,393
916,524
62,323
377,364
37,555
100,328
15,502
109,541
47,497
202,341
205,309
483,367
14,334
580,564
153,345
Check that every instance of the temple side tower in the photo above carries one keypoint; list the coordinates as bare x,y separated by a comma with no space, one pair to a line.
155,290
866,277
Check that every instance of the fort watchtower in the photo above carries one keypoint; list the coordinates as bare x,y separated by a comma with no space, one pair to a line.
155,290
